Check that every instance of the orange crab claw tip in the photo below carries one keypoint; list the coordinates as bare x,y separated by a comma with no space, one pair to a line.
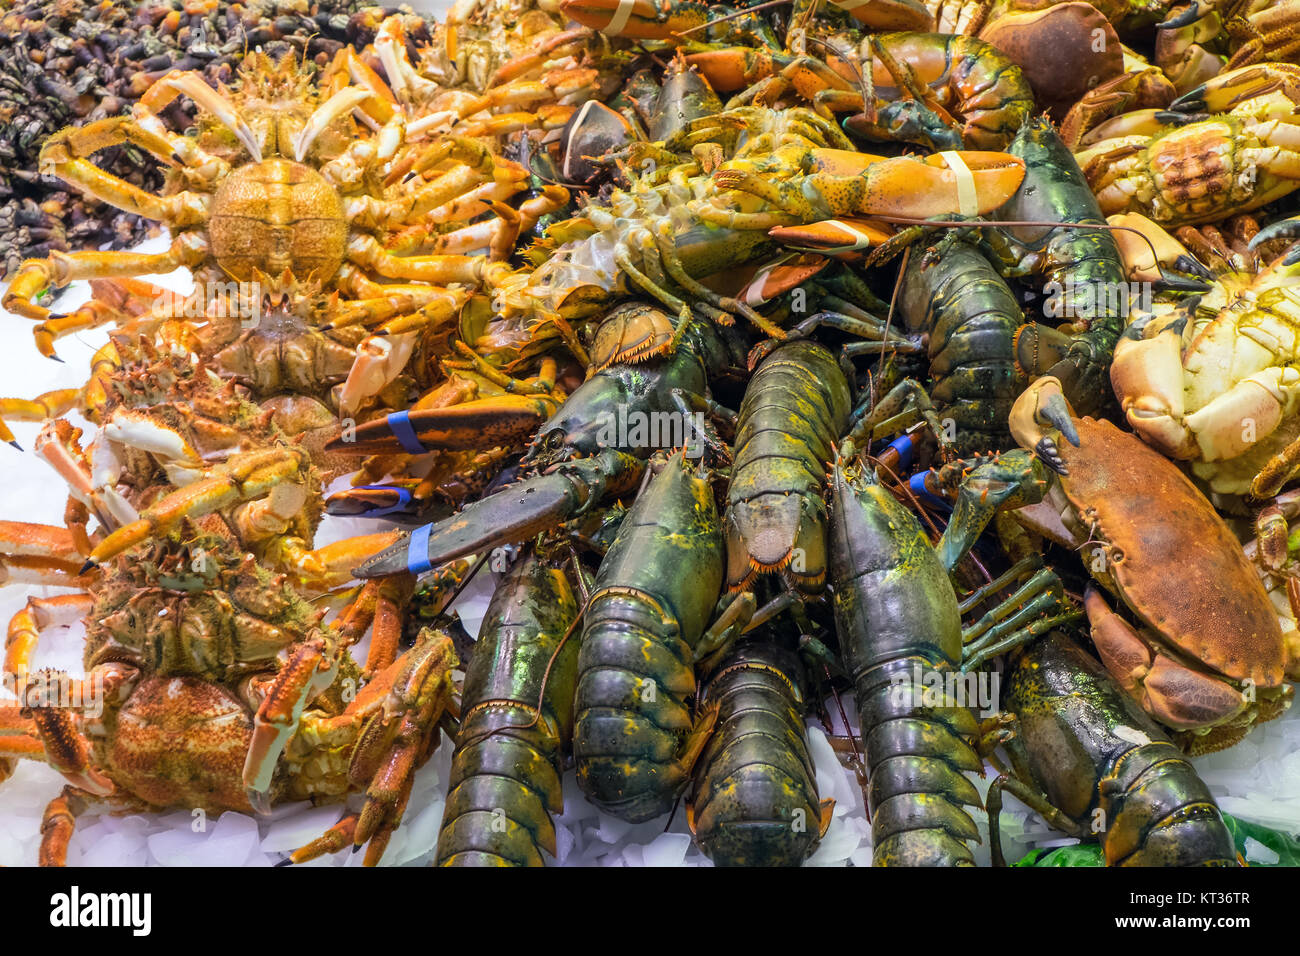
16,445
284,862
89,566
57,359
381,332
356,847
325,328
259,800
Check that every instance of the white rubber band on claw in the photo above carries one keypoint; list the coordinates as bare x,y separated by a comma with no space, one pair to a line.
619,20
967,197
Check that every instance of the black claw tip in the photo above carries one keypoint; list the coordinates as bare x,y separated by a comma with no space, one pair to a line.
285,862
57,359
88,567
1046,450
16,445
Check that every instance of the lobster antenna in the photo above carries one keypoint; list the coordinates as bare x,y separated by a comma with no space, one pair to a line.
734,16
980,223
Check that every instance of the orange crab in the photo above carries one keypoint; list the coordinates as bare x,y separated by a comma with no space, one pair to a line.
211,684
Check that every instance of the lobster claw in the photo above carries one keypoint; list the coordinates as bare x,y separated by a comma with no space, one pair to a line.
501,421
833,236
637,19
969,182
393,502
520,511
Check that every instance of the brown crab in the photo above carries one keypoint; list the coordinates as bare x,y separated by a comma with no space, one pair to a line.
1208,655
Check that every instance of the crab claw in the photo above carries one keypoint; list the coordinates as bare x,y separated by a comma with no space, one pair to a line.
515,513
1044,404
308,673
1186,18
1227,90
1282,229
1150,254
637,19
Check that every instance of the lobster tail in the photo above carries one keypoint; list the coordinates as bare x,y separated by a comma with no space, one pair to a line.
915,755
755,792
505,775
900,634
652,599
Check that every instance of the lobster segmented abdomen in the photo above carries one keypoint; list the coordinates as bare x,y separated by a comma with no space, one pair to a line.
505,774
971,317
633,688
755,797
1163,814
652,598
1102,761
796,407
899,630
915,756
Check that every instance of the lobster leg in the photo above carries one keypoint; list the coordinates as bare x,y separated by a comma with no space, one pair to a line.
1030,797
1018,619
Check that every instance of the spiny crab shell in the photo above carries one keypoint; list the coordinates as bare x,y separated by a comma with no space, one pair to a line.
199,619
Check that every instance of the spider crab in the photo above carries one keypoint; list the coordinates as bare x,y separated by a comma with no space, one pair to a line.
210,682
279,189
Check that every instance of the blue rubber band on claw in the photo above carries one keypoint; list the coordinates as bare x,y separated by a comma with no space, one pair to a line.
417,550
903,445
400,424
403,499
917,484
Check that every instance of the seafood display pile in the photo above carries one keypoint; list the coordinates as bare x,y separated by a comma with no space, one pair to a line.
644,432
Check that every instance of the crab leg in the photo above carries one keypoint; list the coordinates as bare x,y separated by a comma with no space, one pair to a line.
396,742
332,565
35,275
244,478
38,554
367,252
66,749
35,616
194,86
